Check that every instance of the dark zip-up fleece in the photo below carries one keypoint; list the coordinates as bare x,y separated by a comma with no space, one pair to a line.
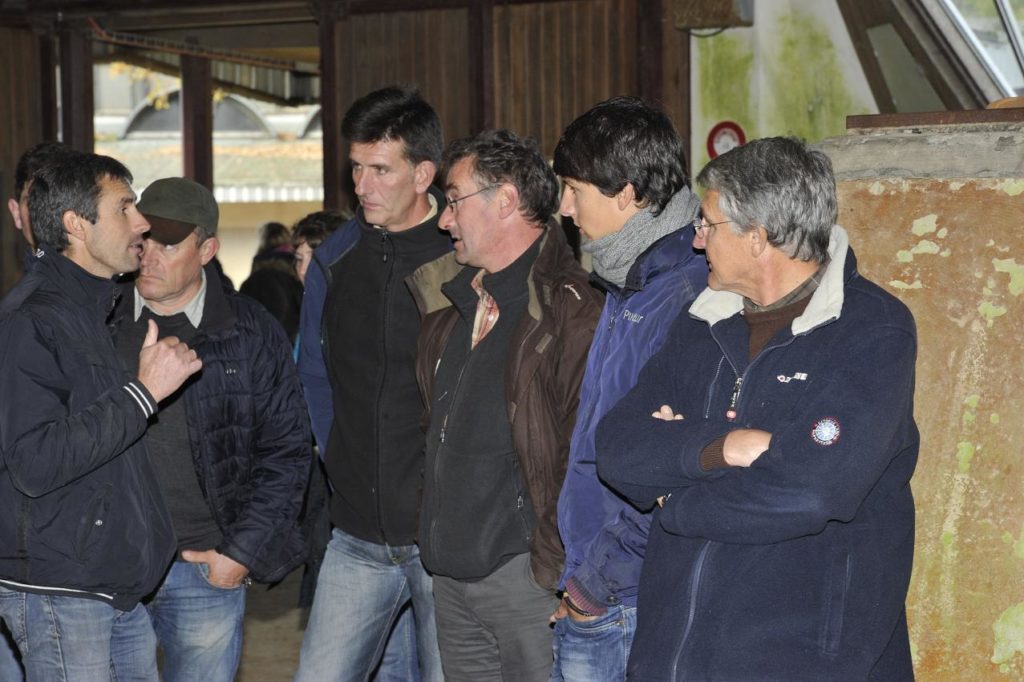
542,375
476,513
374,455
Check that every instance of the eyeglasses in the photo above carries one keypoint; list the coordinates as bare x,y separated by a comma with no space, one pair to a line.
453,204
701,223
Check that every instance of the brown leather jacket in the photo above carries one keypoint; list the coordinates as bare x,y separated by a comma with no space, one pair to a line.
548,355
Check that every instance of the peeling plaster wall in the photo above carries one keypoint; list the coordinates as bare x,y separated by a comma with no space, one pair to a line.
937,216
795,72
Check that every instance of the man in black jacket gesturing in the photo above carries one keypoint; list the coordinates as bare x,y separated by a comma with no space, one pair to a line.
84,532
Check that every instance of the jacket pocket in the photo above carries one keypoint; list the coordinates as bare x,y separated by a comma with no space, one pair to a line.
91,523
834,607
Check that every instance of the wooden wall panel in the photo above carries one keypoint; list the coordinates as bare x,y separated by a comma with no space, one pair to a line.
21,126
552,61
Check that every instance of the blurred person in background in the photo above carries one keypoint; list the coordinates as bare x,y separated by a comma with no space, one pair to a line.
273,281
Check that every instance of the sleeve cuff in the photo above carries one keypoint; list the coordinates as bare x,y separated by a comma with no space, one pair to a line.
142,397
582,598
713,455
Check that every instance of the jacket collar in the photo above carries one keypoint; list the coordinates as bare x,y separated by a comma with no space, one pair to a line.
826,302
81,287
554,257
666,253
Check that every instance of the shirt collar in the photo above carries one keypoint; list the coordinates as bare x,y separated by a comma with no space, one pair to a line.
193,309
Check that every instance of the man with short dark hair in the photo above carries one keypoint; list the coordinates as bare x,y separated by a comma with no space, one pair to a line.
31,161
626,189
509,318
230,449
357,352
84,532
775,428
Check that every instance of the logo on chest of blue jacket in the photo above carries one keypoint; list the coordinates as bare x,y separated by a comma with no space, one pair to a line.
825,431
798,376
632,317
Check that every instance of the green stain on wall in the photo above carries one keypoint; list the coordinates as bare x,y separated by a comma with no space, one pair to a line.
808,90
1012,187
925,246
972,401
1009,634
993,418
726,66
991,311
947,539
924,224
1016,273
964,454
896,284
904,256
1018,546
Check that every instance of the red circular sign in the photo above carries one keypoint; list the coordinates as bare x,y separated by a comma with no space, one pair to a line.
724,136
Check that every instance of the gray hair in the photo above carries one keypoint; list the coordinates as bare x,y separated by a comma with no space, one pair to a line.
781,184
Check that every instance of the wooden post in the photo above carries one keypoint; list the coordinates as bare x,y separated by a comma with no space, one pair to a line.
76,89
335,59
197,119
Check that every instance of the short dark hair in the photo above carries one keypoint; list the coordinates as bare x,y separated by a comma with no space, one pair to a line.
272,235
625,140
781,184
70,183
501,156
32,160
396,114
316,227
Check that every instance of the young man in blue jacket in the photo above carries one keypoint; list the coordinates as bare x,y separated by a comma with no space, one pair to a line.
775,428
626,189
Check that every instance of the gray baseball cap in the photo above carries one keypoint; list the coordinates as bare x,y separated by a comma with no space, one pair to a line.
174,208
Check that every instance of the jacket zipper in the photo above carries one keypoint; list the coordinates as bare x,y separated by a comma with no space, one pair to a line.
691,615
387,244
442,436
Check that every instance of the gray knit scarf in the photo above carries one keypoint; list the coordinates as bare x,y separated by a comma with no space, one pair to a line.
614,254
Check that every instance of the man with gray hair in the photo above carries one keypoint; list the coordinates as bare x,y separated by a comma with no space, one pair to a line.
775,431
509,319
231,449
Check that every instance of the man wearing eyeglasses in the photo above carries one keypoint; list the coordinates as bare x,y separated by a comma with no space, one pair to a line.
775,429
357,354
626,189
501,355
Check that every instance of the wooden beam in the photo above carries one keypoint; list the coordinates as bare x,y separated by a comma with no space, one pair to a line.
197,119
934,118
481,64
649,54
76,89
859,16
47,86
335,58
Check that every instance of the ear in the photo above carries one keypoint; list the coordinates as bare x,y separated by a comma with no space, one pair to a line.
626,197
12,206
508,200
423,174
758,240
74,225
208,249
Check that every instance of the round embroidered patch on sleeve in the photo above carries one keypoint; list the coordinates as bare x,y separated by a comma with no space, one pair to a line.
826,431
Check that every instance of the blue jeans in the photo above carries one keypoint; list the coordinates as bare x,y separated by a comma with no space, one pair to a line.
10,662
79,640
360,591
198,626
596,649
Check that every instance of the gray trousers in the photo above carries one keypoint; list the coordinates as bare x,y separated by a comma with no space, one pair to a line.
496,628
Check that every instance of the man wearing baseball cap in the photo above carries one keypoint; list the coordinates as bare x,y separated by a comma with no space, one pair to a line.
231,449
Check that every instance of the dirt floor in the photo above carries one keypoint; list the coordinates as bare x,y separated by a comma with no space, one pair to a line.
273,632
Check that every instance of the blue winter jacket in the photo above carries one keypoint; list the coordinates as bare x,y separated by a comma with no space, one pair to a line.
312,368
795,568
605,536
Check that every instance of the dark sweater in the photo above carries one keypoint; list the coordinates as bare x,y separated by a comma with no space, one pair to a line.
167,440
476,510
